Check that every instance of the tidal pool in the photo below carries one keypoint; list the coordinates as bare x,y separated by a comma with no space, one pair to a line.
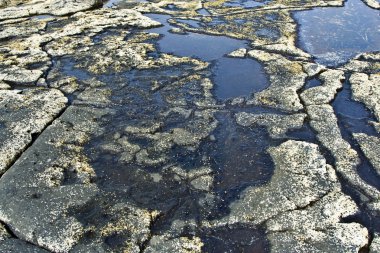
238,77
333,35
232,77
201,46
244,3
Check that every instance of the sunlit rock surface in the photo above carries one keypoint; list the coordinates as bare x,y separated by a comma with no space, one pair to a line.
189,126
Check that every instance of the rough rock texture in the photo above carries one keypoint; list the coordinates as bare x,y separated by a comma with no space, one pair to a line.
375,245
24,114
323,120
181,245
372,3
324,94
370,145
299,168
302,205
145,159
27,205
15,245
277,125
286,78
366,89
365,63
317,228
54,7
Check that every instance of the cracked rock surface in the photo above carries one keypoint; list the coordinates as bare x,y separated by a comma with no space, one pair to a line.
111,142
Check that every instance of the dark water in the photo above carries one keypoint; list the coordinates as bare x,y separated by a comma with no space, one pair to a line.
121,3
354,117
238,77
201,46
314,82
333,35
232,77
203,12
237,156
244,3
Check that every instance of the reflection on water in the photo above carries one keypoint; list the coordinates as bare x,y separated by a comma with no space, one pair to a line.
335,34
232,77
238,77
201,46
244,3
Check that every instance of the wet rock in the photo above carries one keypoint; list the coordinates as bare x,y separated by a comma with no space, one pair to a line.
324,122
238,101
4,233
134,144
365,63
332,80
65,177
324,213
318,227
128,222
4,86
24,115
54,7
276,124
286,78
366,89
375,245
98,20
20,75
21,28
344,238
372,3
313,69
199,178
300,178
173,245
302,206
370,145
15,245
239,53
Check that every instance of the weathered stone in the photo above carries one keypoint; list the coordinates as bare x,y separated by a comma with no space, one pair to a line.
276,124
24,115
15,245
300,178
365,63
318,227
324,94
313,69
141,131
174,245
343,238
3,233
27,205
366,89
54,7
239,53
370,145
286,78
372,3
324,213
375,245
323,120
20,75
4,86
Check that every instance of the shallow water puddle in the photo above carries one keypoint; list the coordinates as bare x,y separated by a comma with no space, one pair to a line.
244,3
335,34
115,3
238,77
232,77
201,46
